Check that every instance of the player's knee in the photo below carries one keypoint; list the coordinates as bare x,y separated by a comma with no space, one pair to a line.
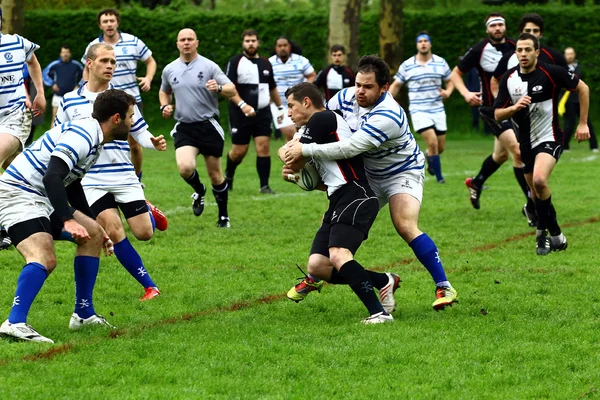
500,157
49,262
186,168
97,236
540,183
339,256
216,177
237,155
143,234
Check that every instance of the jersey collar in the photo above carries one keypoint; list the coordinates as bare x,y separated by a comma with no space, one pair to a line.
102,35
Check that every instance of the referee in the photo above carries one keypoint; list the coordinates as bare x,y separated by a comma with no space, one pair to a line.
249,111
196,81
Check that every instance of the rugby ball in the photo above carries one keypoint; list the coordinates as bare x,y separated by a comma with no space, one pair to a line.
308,178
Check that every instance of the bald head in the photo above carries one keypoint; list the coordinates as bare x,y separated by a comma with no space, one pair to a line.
187,43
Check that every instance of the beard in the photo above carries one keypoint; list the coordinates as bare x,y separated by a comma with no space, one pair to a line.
251,52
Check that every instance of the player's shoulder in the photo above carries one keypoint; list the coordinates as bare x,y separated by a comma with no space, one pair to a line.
128,38
437,59
551,69
273,59
326,117
73,94
409,62
236,58
171,66
511,72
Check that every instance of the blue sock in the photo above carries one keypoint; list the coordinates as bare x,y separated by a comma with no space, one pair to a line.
66,236
131,260
139,176
30,282
436,165
86,271
427,253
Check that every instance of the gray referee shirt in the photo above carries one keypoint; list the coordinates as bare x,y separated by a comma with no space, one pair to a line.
187,82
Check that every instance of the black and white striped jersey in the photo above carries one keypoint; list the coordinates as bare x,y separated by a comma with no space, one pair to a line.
484,57
538,123
253,79
328,127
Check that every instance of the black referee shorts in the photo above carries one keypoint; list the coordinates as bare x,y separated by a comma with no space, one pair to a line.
243,128
202,135
346,224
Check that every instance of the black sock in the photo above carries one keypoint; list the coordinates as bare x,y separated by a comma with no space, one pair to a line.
263,167
543,212
520,175
358,280
221,194
379,280
231,166
553,227
488,167
194,182
336,278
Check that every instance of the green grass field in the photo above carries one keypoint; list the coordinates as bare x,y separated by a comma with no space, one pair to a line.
526,326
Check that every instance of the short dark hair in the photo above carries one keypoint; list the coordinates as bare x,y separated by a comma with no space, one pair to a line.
373,63
529,36
493,14
109,11
66,47
249,32
111,102
306,89
423,33
337,47
533,18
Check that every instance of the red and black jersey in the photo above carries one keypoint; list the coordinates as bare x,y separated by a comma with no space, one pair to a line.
548,55
334,78
538,123
253,79
485,56
328,127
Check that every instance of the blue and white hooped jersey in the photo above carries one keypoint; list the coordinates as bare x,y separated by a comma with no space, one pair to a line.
386,127
128,51
114,167
77,143
290,73
424,83
15,51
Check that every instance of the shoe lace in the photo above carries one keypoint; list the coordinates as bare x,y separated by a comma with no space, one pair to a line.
308,278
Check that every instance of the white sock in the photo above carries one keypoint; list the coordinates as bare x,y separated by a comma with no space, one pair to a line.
444,284
556,240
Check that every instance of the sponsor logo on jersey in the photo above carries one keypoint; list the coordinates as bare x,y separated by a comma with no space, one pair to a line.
76,113
234,131
517,91
8,56
7,79
200,76
537,89
175,81
346,80
266,72
124,50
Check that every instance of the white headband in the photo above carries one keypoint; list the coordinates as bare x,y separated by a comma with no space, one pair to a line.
494,20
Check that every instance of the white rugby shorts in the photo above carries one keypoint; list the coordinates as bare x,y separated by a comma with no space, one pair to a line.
18,206
422,120
122,194
17,124
56,101
287,121
408,182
